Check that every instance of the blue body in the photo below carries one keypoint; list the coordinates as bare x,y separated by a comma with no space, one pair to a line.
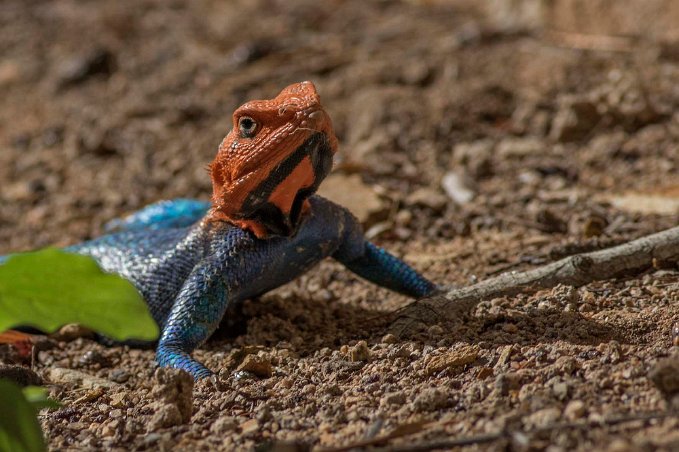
189,269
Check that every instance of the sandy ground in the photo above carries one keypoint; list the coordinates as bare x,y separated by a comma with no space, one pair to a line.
467,149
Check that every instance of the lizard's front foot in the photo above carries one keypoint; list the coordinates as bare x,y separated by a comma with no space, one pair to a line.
173,356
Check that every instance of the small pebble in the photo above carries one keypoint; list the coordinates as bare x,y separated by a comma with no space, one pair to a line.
389,339
257,365
665,376
249,426
166,415
119,375
118,400
394,398
575,410
94,358
71,332
359,352
224,425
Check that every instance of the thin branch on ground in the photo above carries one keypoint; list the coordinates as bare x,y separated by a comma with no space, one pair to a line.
633,257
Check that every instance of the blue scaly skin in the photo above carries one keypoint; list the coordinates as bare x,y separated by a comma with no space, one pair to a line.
190,259
189,275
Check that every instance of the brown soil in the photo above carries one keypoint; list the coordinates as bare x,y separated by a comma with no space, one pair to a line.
109,105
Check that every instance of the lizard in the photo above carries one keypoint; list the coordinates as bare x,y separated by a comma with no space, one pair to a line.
263,227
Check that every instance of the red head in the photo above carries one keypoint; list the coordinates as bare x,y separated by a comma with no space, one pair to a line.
274,158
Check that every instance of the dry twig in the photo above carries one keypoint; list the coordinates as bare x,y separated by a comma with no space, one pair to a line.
577,270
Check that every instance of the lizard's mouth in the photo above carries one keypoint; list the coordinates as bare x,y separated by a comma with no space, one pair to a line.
278,201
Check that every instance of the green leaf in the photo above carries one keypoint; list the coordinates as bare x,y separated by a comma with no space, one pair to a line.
19,427
50,288
37,397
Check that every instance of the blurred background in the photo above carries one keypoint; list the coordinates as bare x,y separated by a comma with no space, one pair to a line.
453,115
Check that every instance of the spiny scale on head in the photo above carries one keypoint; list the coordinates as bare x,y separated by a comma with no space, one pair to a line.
283,127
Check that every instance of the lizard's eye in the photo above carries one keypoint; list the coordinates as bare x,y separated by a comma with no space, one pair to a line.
247,127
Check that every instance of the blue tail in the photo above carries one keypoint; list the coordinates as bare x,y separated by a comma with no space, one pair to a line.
176,213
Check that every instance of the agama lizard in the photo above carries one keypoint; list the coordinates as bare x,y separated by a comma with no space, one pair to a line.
263,227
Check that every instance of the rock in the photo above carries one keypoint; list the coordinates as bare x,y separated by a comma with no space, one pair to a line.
249,51
481,168
519,147
393,398
566,294
565,365
429,198
456,189
622,445
418,74
430,400
594,226
560,390
506,382
264,411
665,376
543,417
249,426
94,358
118,400
10,72
23,190
71,332
165,415
529,118
77,378
119,375
109,429
359,352
467,153
22,376
457,358
645,203
484,372
389,339
435,331
615,353
256,365
574,119
101,141
152,438
351,192
241,375
503,359
550,221
174,387
98,61
224,425
476,157
575,410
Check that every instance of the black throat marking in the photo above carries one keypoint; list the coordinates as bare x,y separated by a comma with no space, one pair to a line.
256,205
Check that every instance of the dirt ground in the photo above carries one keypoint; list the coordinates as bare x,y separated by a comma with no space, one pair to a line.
466,148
